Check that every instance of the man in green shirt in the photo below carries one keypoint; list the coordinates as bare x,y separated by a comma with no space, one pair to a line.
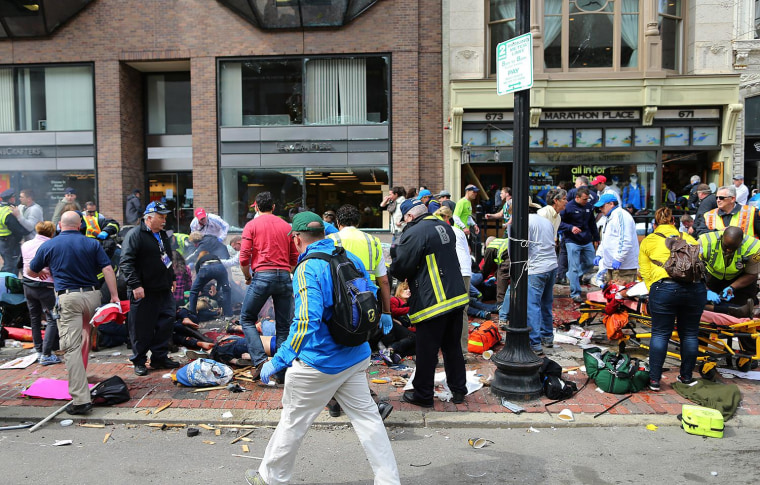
463,210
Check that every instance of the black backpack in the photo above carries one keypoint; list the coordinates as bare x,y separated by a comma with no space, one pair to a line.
356,313
555,387
111,391
684,264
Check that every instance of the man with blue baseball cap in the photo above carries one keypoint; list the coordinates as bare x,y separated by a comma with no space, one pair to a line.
146,262
618,252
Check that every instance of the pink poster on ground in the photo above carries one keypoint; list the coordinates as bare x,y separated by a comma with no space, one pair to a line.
49,389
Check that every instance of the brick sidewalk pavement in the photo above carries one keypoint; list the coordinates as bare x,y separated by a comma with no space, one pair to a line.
155,389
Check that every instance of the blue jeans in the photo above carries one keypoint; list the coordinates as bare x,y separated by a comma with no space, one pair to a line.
673,304
580,259
208,272
278,285
540,299
504,310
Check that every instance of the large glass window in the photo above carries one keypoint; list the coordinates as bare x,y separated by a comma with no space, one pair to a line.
501,25
600,34
757,19
752,116
294,91
46,98
48,187
169,104
175,190
670,22
320,188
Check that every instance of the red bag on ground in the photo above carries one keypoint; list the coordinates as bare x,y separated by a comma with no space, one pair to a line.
483,338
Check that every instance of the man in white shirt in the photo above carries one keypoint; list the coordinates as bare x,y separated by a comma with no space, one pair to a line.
619,249
542,271
29,212
742,192
206,223
556,200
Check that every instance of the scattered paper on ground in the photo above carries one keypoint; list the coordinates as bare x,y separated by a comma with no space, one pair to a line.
62,442
751,375
651,427
21,362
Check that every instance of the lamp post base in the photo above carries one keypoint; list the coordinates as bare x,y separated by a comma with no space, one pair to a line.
516,377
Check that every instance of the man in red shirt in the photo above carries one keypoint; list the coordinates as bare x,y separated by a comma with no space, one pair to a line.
269,253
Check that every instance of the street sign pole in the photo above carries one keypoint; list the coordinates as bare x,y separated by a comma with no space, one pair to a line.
516,376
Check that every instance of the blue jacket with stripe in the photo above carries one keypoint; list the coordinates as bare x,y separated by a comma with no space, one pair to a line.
309,338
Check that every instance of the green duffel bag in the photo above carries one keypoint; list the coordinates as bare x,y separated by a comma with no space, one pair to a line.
615,373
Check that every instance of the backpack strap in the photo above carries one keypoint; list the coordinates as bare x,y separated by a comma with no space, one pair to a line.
322,256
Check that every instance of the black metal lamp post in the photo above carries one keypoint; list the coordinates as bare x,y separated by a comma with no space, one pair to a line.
516,376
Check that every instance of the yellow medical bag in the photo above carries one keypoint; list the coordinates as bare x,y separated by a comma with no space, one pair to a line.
701,421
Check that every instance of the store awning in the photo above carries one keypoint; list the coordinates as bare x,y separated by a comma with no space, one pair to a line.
298,14
36,18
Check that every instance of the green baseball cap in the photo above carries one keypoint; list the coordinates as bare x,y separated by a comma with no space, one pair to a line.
307,222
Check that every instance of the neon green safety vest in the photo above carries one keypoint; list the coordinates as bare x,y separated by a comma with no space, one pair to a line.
502,245
4,211
712,255
362,245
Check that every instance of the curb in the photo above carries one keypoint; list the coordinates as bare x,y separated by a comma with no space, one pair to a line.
407,419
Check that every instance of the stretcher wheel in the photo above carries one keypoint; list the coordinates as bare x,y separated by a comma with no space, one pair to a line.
708,370
743,364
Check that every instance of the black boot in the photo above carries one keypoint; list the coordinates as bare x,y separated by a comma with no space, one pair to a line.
744,311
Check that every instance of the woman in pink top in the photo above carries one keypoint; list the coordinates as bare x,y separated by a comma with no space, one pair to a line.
40,297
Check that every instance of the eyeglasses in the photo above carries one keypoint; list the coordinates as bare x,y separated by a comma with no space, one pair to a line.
723,197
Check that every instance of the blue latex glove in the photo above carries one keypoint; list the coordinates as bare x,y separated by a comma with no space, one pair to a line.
490,281
616,265
728,293
266,372
103,235
386,323
713,297
597,260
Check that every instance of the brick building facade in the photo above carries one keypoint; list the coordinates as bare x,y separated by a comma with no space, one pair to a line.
124,40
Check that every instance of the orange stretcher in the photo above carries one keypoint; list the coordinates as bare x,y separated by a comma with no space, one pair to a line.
716,332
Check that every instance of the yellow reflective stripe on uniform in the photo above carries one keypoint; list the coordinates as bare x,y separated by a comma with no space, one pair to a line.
370,254
303,313
439,308
435,278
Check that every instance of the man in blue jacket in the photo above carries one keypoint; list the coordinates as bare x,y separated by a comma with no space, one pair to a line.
320,368
579,227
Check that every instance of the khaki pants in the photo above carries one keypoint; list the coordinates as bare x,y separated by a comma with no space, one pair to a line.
621,275
306,393
465,318
74,329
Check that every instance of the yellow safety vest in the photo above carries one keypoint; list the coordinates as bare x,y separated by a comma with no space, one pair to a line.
92,228
181,241
501,245
4,211
744,219
362,245
712,255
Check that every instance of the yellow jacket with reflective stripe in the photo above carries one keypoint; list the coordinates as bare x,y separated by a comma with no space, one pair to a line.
712,255
366,247
501,245
744,219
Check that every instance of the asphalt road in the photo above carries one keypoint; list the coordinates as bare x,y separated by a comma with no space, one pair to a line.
139,454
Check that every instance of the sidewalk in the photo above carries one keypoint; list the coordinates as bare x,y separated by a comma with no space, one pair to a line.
261,404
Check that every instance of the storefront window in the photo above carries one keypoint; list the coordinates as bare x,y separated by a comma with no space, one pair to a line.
169,104
595,31
46,98
320,188
48,187
176,191
670,23
632,182
757,19
295,91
